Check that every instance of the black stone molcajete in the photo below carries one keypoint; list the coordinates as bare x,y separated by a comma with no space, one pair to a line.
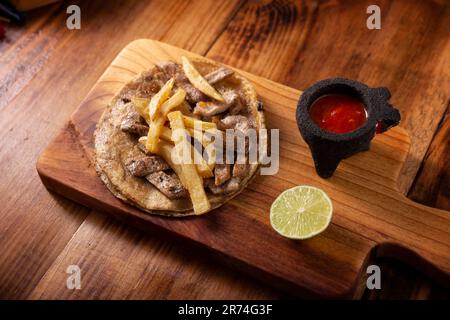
328,148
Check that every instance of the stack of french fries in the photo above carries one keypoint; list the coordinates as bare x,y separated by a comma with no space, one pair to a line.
168,107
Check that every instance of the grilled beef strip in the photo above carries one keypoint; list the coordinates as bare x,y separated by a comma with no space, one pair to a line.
143,148
149,88
222,173
241,124
230,186
168,183
152,168
211,108
146,165
237,104
134,124
236,122
218,75
240,169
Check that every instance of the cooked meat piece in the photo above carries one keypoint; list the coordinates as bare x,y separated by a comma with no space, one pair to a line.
134,128
218,75
171,69
241,124
230,186
222,173
193,94
149,88
133,123
147,164
215,119
234,99
211,108
168,183
236,122
207,182
240,169
143,148
230,96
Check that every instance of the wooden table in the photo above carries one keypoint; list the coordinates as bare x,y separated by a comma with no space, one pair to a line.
46,70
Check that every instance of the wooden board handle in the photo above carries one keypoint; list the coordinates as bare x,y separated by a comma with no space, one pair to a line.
371,216
426,245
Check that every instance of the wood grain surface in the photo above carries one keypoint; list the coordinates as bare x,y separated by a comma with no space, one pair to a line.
46,70
371,216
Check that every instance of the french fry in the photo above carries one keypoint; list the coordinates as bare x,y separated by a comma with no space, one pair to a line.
141,106
159,98
211,152
165,151
191,179
208,140
193,123
208,143
144,106
184,108
156,125
166,135
199,135
203,168
198,81
143,140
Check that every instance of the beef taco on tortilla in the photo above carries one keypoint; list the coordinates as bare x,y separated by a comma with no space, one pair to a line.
138,145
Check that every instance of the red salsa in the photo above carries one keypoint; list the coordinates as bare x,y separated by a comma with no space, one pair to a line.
338,113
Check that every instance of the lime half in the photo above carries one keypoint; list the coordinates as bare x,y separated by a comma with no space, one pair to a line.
301,212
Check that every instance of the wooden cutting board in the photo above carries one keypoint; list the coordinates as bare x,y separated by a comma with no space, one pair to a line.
371,215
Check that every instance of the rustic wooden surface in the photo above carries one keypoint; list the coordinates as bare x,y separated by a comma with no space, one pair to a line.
25,5
46,70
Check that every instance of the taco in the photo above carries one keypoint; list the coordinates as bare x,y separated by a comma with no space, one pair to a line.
135,136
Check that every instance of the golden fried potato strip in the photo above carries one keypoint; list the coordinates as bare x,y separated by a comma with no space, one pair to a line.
158,99
190,178
198,81
157,124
